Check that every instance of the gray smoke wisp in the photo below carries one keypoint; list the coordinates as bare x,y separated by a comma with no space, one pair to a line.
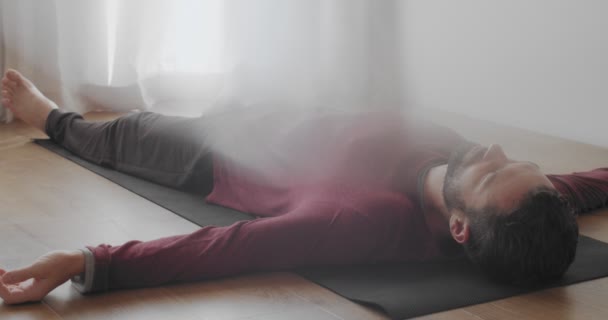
279,144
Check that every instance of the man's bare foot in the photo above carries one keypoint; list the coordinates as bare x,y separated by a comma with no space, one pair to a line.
22,97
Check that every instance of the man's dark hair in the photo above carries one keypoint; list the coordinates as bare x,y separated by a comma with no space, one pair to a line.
533,244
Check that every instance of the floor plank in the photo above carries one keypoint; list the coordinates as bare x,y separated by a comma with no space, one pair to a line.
28,312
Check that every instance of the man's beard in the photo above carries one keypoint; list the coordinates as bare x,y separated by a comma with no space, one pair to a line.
464,155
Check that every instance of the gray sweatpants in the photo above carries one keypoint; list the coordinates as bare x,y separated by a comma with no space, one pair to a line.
163,149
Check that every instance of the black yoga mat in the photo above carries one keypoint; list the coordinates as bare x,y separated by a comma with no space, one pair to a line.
401,290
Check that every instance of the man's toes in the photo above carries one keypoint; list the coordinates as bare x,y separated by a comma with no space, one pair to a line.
9,83
14,76
7,103
6,93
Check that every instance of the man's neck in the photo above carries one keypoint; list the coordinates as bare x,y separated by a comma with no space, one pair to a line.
436,212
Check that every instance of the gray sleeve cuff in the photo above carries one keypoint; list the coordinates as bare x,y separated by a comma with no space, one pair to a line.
83,283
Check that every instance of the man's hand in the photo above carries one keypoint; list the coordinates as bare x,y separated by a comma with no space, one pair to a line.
34,282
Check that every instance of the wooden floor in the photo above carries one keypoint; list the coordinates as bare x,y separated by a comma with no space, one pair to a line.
47,202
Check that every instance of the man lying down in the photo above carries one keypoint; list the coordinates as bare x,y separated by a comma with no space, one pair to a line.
383,189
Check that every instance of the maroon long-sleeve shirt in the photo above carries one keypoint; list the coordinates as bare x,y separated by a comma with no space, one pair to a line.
363,206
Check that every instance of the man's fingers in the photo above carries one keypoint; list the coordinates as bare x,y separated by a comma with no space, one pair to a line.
16,276
5,294
29,291
13,294
10,294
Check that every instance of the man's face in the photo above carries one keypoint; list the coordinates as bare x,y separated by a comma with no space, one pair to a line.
478,177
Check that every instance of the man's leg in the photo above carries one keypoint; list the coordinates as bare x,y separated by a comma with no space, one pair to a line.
166,150
163,149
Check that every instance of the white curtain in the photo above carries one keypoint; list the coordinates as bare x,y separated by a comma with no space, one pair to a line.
186,57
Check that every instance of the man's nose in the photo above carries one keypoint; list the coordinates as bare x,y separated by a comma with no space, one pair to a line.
495,152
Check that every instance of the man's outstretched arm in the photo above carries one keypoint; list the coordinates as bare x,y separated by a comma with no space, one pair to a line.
314,233
586,191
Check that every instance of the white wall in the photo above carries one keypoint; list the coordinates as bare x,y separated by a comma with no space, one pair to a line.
540,65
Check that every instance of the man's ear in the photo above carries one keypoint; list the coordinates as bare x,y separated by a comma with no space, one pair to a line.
459,227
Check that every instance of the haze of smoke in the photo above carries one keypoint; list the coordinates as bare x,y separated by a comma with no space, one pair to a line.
276,144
